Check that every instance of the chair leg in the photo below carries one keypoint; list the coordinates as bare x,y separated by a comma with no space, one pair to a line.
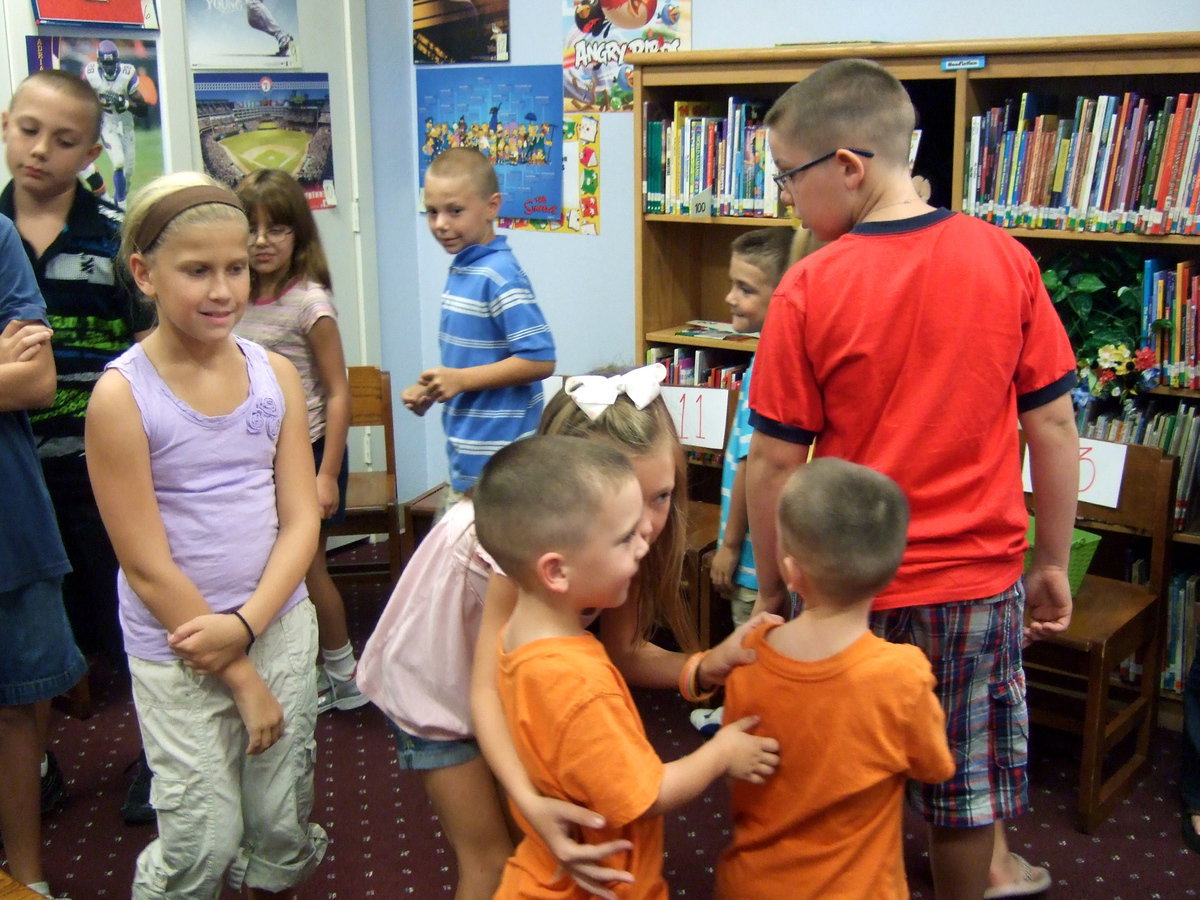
1091,762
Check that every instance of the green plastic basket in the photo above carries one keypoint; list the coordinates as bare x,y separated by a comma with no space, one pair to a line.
1083,548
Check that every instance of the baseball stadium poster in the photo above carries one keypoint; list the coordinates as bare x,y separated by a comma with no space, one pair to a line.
124,73
275,120
511,114
243,34
119,13
596,36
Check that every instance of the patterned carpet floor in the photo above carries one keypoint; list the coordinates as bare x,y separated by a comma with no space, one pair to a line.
386,842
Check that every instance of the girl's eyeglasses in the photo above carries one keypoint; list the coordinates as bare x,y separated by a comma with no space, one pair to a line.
275,234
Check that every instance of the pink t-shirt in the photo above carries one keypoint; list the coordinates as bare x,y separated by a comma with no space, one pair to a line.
283,325
417,663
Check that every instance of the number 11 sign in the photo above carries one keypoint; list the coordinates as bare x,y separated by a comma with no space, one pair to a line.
700,414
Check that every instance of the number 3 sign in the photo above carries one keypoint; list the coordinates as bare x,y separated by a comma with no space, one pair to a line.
1101,465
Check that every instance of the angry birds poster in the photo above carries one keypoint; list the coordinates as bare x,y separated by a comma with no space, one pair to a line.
597,35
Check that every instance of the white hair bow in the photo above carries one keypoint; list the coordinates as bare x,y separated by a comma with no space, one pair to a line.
595,393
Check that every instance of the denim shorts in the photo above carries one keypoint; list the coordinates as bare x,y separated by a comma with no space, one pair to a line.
343,479
974,647
419,753
38,656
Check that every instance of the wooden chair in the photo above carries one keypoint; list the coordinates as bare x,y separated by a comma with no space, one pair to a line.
1072,678
419,513
371,505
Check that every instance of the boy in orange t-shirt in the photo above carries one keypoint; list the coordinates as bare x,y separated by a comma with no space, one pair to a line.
855,715
564,518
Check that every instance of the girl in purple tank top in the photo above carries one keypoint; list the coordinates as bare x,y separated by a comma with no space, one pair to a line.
197,446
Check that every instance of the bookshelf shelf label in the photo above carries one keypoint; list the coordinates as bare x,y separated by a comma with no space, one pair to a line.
954,63
1101,467
700,414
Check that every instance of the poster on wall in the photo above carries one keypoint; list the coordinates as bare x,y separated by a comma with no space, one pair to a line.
597,36
456,31
243,34
511,114
581,181
269,120
124,72
116,13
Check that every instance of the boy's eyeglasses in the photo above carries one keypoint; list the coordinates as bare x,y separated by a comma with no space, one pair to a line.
782,178
275,234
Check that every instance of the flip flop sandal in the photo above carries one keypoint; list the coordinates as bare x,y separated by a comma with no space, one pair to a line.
1030,880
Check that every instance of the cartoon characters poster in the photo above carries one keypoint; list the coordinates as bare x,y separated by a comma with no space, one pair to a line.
598,34
243,34
124,73
581,181
275,120
511,114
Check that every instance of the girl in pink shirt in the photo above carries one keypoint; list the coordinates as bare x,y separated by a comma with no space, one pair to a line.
292,313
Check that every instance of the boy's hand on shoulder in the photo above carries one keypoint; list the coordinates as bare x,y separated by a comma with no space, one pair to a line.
22,341
416,400
442,383
748,757
210,642
729,654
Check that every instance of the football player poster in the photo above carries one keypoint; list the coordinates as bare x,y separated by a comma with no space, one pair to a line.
243,34
124,73
596,36
267,120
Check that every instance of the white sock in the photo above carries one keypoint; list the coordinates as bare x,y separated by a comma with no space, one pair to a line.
45,765
339,663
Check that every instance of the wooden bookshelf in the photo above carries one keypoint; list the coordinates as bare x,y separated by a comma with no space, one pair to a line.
681,260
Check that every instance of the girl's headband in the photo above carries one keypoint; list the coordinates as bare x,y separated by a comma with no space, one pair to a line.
595,393
159,216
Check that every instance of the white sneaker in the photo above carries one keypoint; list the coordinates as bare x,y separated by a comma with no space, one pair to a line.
707,721
41,887
335,694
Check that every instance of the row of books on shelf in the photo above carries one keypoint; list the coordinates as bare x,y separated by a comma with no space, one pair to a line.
1116,163
697,367
700,159
1182,594
1172,426
1171,296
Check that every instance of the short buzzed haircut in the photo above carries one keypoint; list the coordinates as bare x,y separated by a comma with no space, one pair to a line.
767,249
847,103
71,85
542,494
466,162
846,524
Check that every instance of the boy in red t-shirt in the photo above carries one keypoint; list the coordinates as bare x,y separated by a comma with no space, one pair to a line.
913,344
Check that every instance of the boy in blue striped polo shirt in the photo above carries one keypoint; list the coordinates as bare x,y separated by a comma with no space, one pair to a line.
495,345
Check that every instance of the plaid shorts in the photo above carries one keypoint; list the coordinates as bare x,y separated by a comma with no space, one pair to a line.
975,649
